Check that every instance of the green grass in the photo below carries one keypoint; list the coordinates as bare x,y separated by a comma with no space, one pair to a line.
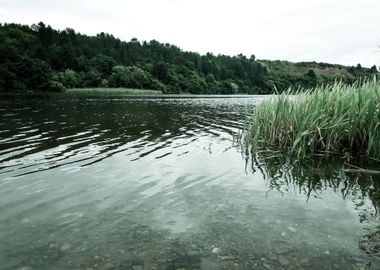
128,91
336,119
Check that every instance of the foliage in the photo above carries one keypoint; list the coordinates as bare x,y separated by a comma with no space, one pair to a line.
112,91
56,86
31,58
285,74
338,118
133,77
69,78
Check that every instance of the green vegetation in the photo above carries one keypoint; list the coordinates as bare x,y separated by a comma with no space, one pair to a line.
40,58
127,91
337,119
284,74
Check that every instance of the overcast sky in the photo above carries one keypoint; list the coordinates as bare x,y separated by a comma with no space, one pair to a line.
334,31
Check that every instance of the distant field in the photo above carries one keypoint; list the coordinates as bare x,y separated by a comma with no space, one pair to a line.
113,91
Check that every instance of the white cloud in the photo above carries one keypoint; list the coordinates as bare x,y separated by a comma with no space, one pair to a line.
336,31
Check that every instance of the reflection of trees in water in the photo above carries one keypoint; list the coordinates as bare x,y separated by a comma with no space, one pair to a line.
317,175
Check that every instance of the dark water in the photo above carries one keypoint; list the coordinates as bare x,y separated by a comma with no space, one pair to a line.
141,183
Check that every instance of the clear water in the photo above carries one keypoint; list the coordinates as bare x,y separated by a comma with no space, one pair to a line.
143,183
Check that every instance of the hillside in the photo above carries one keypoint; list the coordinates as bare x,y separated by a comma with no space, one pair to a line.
39,58
309,74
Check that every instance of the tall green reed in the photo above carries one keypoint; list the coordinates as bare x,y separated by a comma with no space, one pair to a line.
333,119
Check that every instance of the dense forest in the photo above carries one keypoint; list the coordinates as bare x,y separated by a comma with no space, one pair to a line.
39,58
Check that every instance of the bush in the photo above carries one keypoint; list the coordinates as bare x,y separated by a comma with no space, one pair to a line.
133,77
56,86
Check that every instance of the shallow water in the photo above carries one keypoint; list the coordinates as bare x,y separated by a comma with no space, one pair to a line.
159,183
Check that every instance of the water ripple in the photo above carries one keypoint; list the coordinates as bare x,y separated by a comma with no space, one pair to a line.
88,182
34,140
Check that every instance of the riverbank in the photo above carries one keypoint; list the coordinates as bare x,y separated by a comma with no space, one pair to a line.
337,119
124,91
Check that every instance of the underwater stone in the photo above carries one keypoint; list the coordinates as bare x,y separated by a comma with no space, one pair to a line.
227,258
65,247
267,266
216,250
283,260
108,266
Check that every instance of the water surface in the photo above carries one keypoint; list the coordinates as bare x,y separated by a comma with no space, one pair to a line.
159,183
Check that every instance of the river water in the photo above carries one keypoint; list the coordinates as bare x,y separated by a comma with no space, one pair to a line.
160,183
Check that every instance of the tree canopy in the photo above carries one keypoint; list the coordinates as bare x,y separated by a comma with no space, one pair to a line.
39,58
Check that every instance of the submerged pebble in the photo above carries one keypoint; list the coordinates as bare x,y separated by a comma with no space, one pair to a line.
192,253
72,215
66,247
216,250
25,220
283,260
267,266
208,265
109,266
227,258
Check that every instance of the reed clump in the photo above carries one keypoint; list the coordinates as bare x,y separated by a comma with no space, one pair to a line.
335,119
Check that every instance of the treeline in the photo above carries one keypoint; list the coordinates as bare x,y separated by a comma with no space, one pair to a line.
39,58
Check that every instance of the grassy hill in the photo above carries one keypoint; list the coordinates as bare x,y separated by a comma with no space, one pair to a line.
284,74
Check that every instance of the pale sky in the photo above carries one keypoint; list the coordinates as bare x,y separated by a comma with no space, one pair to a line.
334,31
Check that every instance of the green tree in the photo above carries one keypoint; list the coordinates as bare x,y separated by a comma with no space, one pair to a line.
91,78
69,78
69,59
133,77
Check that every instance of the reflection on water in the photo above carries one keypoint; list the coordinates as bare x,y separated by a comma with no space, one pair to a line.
313,177
44,134
142,183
